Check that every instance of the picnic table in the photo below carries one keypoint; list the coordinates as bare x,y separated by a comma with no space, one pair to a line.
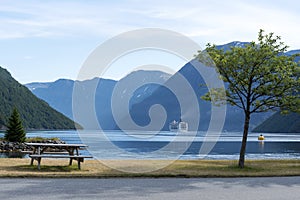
50,150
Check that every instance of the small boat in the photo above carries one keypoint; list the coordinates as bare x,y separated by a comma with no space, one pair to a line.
173,126
261,137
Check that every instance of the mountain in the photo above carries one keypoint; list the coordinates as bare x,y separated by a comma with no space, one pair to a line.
183,93
35,113
227,47
144,99
293,52
279,123
165,97
146,83
174,94
59,94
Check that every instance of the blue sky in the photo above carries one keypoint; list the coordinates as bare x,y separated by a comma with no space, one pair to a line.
47,40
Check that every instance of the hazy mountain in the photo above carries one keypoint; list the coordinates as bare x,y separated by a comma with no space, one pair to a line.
150,88
59,93
278,123
171,103
35,113
227,47
292,52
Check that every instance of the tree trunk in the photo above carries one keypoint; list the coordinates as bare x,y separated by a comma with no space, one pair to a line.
244,141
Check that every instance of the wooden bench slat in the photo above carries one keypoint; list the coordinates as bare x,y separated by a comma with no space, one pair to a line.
57,145
29,152
78,158
58,156
47,152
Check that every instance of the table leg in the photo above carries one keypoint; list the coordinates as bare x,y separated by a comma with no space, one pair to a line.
71,153
78,161
33,152
39,163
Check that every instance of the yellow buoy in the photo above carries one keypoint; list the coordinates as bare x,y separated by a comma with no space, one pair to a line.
261,137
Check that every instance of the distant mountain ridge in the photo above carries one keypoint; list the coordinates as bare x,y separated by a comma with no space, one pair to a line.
227,46
163,96
59,95
35,113
279,123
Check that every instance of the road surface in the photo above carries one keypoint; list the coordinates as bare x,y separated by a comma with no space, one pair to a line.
148,188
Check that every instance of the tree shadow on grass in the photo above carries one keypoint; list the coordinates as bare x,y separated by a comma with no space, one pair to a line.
44,168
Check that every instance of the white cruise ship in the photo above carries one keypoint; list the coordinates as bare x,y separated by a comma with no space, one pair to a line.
183,127
180,126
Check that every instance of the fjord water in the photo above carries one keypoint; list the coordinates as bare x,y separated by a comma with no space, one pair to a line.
150,145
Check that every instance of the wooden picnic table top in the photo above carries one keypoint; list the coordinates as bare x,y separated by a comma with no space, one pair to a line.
55,145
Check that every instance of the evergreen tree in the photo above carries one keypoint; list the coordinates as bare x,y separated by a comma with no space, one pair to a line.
15,131
1,121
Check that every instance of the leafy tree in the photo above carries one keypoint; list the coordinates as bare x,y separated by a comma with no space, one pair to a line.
15,131
259,77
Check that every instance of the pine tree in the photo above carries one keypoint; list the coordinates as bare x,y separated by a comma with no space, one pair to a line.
1,121
15,131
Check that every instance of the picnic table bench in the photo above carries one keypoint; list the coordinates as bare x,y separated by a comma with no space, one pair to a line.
45,150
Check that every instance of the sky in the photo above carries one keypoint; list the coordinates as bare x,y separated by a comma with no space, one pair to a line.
42,41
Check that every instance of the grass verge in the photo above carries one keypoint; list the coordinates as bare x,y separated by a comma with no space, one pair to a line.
14,167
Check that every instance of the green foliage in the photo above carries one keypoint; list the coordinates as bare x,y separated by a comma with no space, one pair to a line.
35,113
2,121
15,131
259,78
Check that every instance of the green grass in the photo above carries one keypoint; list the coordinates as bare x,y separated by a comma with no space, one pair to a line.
46,168
180,168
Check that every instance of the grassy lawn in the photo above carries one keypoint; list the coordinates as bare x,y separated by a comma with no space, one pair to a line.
13,167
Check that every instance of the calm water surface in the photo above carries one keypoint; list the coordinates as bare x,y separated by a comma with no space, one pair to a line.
170,145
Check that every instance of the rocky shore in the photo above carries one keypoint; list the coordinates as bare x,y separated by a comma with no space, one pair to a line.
6,146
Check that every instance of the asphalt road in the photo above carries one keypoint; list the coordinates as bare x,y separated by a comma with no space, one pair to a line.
160,188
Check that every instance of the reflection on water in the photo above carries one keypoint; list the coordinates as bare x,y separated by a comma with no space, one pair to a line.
261,145
151,146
